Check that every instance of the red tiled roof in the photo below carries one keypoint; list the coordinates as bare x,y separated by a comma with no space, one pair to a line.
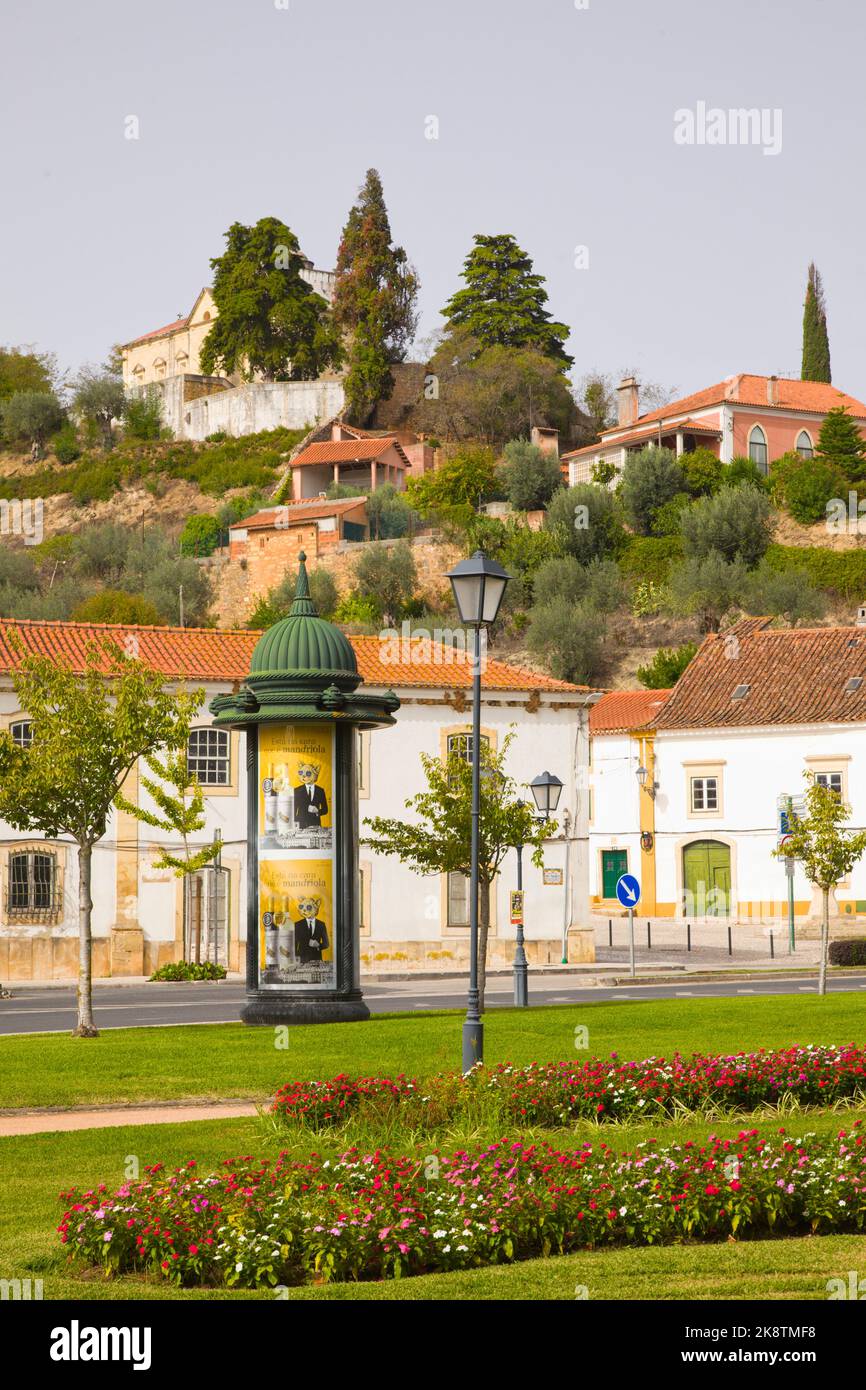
160,332
620,710
786,676
647,432
348,451
208,654
306,509
744,389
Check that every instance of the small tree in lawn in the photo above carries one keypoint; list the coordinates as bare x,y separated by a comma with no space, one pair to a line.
89,730
438,839
827,852
180,800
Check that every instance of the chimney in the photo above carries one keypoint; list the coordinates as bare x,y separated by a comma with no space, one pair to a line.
546,438
772,396
861,615
627,401
732,387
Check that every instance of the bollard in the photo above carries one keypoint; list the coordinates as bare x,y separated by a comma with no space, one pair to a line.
649,939
688,936
772,949
730,947
609,932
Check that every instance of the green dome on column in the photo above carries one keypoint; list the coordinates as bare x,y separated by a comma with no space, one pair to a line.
303,642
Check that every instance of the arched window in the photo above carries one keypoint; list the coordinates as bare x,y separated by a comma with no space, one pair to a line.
805,447
159,366
758,448
208,757
22,733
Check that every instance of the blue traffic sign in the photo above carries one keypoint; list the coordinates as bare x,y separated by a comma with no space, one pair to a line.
628,890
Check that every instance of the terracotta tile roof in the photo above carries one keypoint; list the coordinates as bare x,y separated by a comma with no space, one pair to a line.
781,676
209,654
160,332
744,389
620,710
348,451
307,509
648,432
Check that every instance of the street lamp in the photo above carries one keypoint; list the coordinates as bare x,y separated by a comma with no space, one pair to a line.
641,774
546,790
478,585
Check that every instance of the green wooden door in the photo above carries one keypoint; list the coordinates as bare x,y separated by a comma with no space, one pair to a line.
707,878
614,863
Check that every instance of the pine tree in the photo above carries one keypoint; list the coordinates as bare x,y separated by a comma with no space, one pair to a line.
816,343
503,302
374,298
841,443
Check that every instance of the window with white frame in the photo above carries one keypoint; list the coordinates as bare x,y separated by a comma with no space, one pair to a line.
805,448
704,793
758,448
208,757
21,733
32,882
461,744
833,780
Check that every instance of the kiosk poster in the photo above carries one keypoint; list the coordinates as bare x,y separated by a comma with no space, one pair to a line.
297,946
296,797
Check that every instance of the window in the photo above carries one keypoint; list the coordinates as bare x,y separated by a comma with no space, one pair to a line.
207,757
758,448
705,793
833,780
22,733
804,446
32,882
458,900
461,744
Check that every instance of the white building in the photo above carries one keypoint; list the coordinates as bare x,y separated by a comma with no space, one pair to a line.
138,918
685,784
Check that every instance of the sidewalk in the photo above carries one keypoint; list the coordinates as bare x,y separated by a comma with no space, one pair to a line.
115,1116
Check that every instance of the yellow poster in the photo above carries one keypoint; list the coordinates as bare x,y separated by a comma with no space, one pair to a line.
296,786
297,931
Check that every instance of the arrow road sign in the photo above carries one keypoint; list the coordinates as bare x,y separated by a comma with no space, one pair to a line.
628,890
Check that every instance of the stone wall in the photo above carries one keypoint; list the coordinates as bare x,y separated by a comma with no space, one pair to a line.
195,406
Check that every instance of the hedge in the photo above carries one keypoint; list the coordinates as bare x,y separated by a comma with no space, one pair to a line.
848,952
650,557
843,571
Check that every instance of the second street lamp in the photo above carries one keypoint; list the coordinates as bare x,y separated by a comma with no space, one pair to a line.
478,584
546,790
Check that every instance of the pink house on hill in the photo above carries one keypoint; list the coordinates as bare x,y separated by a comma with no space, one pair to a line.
757,417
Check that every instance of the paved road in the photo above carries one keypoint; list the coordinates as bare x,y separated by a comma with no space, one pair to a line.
163,1005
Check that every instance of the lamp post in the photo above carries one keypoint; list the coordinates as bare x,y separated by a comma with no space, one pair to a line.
546,790
478,585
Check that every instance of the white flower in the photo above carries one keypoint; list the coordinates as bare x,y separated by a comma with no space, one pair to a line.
623,1210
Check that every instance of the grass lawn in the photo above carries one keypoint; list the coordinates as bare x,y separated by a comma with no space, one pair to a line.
228,1060
35,1167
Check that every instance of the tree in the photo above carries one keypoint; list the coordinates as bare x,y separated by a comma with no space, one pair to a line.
737,523
702,472
200,535
805,486
600,583
503,301
651,477
24,370
99,398
389,513
596,393
586,522
438,838
386,574
493,394
530,475
666,666
840,443
32,415
89,730
455,489
816,343
788,594
707,588
271,322
569,637
827,852
142,415
375,294
116,606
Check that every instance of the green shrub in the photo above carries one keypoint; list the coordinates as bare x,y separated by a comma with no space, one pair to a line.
743,470
96,481
117,606
530,475
708,588
787,594
702,472
666,666
358,608
142,416
842,571
851,952
200,535
570,637
668,519
805,486
650,478
599,583
647,599
182,970
64,444
586,522
736,524
650,557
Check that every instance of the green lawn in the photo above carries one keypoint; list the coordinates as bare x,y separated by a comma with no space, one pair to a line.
34,1168
228,1060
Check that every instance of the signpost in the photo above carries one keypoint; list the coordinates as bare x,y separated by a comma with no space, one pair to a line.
790,809
628,893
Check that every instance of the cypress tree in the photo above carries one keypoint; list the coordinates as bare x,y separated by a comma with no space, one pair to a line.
503,303
816,343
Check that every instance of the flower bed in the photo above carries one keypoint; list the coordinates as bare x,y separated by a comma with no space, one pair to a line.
554,1094
378,1215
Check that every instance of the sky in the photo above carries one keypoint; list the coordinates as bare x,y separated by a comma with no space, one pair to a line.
575,125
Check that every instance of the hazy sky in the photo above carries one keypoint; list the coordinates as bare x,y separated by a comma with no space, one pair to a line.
555,122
